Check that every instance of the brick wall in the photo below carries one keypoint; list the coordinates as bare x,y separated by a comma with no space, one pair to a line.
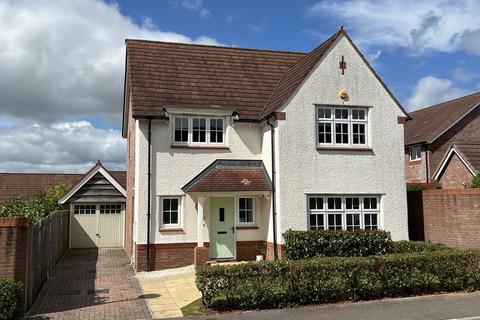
130,184
13,248
415,171
248,250
455,174
452,216
270,252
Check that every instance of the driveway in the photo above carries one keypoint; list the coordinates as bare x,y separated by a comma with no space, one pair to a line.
463,306
91,284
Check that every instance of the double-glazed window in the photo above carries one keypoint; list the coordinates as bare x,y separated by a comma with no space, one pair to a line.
197,130
341,126
245,210
415,153
170,211
343,212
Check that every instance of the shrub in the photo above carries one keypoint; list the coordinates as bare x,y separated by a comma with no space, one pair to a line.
36,207
285,283
329,243
417,246
476,182
10,299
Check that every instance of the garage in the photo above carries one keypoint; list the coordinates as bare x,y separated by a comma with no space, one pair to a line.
97,210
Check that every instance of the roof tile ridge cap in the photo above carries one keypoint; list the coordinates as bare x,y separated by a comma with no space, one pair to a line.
328,41
449,101
216,46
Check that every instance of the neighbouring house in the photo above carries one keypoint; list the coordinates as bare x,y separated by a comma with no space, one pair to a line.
96,202
442,143
230,147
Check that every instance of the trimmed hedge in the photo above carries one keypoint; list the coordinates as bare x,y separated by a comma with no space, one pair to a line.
331,243
405,246
11,294
273,284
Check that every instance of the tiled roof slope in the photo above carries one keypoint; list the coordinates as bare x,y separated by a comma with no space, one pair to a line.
29,184
162,73
471,154
429,123
229,176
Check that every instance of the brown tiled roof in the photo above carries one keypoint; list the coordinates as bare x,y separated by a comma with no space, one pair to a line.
29,184
162,73
231,176
471,154
252,82
429,123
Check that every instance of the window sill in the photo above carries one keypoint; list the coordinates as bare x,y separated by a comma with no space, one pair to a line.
177,146
167,229
367,149
416,161
246,227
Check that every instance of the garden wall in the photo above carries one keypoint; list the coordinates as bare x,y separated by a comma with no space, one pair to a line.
452,217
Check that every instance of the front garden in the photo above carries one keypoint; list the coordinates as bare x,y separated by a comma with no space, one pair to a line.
336,266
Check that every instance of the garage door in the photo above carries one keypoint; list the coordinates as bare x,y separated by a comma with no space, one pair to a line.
98,225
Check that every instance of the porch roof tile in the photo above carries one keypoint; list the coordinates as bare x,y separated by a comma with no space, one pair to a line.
231,176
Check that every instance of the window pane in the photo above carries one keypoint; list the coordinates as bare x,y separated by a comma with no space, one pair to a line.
353,221
216,130
353,203
334,203
341,133
341,113
335,221
181,129
358,114
358,133
324,113
174,217
199,129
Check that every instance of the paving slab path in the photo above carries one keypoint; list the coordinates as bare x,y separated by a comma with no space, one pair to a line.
167,294
91,284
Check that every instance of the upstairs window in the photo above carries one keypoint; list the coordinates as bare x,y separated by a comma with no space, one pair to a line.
415,153
340,126
195,130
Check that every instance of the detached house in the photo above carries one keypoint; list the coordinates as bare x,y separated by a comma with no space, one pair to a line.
230,147
442,143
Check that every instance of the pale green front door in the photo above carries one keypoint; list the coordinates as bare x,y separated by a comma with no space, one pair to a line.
222,237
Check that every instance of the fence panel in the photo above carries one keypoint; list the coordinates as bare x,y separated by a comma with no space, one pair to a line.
47,242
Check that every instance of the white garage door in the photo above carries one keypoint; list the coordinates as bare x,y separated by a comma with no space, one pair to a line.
99,225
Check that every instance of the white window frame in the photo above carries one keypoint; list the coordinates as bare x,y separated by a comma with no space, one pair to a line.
413,155
180,212
349,121
254,220
344,211
190,141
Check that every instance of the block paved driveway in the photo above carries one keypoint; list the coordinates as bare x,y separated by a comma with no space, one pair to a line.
91,284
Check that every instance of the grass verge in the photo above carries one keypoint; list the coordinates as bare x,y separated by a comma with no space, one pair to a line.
195,308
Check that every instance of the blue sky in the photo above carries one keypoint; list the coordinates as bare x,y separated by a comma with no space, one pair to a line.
62,61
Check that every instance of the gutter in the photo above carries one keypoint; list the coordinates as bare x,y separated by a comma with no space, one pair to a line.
274,200
149,186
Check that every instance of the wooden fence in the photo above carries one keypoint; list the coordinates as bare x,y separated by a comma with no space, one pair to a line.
47,242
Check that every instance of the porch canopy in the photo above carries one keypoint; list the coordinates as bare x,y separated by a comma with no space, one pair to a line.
227,176
231,176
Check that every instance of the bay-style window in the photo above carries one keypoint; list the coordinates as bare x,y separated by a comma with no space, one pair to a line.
335,212
198,130
342,126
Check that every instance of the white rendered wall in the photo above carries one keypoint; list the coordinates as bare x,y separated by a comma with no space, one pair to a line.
305,170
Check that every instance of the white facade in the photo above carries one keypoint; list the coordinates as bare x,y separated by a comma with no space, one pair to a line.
301,168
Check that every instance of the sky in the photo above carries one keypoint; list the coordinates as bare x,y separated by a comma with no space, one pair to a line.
62,61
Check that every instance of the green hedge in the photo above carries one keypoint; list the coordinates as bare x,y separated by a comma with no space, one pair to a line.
417,247
288,283
330,243
11,294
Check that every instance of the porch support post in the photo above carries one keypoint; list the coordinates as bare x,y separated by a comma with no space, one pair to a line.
200,203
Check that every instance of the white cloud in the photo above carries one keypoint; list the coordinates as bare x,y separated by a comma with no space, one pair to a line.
431,90
193,5
444,26
463,74
60,147
62,60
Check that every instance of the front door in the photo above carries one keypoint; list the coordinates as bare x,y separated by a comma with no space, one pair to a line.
222,231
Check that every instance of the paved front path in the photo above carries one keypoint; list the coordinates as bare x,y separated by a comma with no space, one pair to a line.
464,306
91,284
166,295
